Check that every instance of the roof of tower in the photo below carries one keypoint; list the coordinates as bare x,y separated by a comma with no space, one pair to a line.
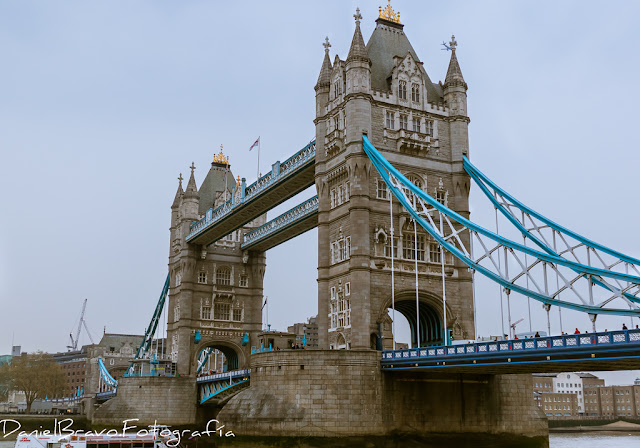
192,189
214,183
358,50
387,41
324,79
454,74
179,193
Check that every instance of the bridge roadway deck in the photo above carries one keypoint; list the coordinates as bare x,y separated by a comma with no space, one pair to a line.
612,350
285,180
296,221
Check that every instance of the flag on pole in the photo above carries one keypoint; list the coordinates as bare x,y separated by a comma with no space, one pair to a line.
256,143
265,302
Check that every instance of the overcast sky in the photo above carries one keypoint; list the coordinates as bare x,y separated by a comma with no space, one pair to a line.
103,104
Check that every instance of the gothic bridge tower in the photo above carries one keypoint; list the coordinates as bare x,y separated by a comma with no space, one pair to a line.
215,295
383,90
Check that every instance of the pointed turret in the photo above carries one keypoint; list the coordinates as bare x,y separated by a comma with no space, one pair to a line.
179,193
358,50
454,74
324,79
192,189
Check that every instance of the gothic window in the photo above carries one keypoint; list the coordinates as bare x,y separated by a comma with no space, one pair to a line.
347,289
402,90
416,124
237,314
333,292
341,250
206,312
336,123
389,119
404,122
176,313
441,196
334,198
244,281
388,246
347,189
429,125
434,252
223,276
178,278
381,189
202,277
222,311
415,92
409,248
341,194
417,182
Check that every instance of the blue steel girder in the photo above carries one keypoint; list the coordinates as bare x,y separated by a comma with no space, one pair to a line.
284,181
295,222
522,269
558,240
221,386
610,350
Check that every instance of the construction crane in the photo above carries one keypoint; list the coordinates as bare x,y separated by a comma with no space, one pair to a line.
513,325
81,323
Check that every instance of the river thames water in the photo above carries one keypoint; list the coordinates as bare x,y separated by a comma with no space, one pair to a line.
582,440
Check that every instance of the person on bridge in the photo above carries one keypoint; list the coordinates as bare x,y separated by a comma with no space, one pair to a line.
624,326
576,332
537,335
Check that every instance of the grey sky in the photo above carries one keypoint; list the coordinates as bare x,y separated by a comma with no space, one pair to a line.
103,104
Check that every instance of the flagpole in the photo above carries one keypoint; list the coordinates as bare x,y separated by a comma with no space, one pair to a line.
258,173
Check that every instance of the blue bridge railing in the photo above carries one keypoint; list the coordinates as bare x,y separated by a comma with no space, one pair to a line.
561,343
278,173
296,214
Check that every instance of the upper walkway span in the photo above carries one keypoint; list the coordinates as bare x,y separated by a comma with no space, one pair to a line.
284,181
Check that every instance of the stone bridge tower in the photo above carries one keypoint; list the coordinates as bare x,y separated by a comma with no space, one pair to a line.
383,90
215,295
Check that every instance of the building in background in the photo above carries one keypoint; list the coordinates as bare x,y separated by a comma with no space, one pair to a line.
306,333
570,394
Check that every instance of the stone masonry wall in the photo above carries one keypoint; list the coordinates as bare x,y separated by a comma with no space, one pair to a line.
328,393
170,401
454,403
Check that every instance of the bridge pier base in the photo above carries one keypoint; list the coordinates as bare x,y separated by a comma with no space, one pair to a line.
165,400
344,393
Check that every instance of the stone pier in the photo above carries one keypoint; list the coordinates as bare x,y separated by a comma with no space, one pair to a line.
344,393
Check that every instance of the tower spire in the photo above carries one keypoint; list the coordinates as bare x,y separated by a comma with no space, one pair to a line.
358,50
454,74
324,79
179,193
192,189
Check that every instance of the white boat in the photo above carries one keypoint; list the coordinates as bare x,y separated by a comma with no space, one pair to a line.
96,441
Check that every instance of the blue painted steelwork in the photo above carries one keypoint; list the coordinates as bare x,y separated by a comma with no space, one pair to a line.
280,171
106,376
143,350
400,186
506,203
493,352
211,386
203,357
282,222
107,385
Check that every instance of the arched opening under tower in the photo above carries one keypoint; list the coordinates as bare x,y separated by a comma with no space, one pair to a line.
216,358
423,321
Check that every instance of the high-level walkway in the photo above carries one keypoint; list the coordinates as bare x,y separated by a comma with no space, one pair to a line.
291,224
284,181
611,350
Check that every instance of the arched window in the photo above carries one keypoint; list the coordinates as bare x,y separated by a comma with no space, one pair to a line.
417,181
402,90
223,276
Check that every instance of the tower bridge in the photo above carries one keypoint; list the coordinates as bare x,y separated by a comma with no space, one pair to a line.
391,165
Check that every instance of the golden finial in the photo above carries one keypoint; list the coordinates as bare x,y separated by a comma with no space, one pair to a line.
238,182
389,14
221,158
